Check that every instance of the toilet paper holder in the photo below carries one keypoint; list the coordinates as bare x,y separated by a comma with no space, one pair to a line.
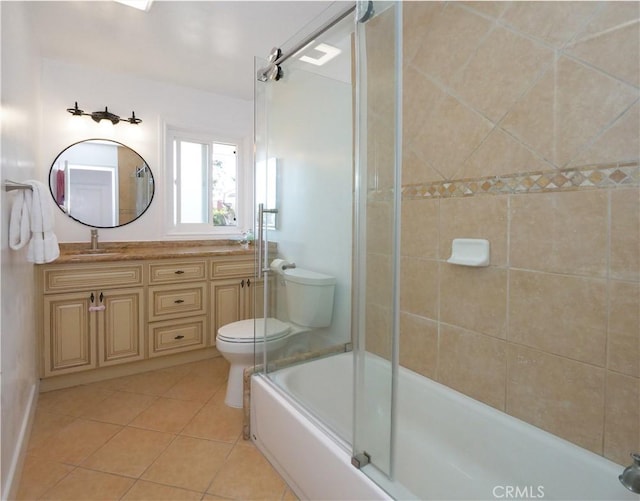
279,265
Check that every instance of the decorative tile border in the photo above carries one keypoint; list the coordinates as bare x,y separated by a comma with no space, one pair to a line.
574,178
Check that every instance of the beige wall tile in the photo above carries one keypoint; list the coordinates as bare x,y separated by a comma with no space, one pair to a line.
553,22
379,227
623,348
502,154
474,298
451,39
625,234
610,15
451,134
419,287
556,394
473,364
560,232
418,344
381,142
492,9
504,66
416,169
379,279
420,96
475,217
417,17
617,52
567,109
559,314
619,143
419,228
622,418
378,330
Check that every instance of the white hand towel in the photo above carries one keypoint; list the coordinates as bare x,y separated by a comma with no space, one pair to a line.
43,246
20,220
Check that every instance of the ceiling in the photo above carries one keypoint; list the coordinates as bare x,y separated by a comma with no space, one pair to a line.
207,45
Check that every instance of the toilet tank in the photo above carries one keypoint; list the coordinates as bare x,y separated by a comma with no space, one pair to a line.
309,297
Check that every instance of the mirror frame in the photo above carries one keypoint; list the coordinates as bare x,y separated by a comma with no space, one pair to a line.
117,143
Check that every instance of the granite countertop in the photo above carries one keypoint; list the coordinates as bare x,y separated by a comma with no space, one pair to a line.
134,251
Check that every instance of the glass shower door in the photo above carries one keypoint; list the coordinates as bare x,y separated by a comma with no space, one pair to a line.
304,169
376,240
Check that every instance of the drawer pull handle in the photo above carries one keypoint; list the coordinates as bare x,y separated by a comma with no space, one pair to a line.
179,272
178,301
179,336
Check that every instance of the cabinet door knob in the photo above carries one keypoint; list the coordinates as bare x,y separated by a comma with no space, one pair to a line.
178,301
248,282
242,283
179,272
101,297
92,297
179,336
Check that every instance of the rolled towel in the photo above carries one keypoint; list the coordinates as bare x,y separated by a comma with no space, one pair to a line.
20,220
43,246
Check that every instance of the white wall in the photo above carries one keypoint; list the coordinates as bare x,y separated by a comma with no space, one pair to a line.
310,133
18,369
157,104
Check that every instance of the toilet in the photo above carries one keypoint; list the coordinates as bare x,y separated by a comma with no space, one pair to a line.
309,297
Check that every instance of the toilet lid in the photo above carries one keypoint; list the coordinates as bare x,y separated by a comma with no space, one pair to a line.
243,330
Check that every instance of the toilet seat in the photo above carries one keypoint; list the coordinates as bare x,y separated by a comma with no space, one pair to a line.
242,331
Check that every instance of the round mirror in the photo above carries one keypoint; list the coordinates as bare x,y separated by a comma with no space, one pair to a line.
101,183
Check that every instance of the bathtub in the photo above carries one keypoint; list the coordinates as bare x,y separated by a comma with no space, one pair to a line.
447,445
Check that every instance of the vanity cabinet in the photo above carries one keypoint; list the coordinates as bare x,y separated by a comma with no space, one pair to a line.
234,292
92,317
177,307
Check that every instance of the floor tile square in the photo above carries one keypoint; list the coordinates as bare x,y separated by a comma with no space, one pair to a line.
120,408
87,485
167,414
216,421
39,475
130,452
190,463
149,491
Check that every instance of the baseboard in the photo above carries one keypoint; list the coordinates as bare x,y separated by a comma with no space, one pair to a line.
10,488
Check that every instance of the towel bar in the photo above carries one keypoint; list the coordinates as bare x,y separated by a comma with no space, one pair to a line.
12,186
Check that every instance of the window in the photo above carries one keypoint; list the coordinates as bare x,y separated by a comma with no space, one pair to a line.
206,188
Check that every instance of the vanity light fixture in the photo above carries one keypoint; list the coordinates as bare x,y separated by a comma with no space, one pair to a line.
104,115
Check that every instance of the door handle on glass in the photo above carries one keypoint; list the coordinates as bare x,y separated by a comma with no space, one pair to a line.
262,254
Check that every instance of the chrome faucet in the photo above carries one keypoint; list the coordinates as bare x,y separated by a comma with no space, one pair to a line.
630,477
94,239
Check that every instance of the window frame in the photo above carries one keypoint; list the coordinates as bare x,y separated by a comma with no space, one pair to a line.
244,187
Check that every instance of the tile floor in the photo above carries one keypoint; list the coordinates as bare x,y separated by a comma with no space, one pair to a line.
165,434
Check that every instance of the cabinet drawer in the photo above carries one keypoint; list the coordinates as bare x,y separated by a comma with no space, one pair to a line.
183,271
176,300
75,278
173,336
228,268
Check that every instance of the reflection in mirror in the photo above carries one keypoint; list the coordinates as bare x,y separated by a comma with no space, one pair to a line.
101,183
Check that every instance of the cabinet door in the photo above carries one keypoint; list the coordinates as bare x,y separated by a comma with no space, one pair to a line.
253,299
120,326
226,303
69,334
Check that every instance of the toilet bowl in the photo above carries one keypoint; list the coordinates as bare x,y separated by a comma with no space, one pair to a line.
309,297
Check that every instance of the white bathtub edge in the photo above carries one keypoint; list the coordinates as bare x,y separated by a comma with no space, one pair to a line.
311,462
